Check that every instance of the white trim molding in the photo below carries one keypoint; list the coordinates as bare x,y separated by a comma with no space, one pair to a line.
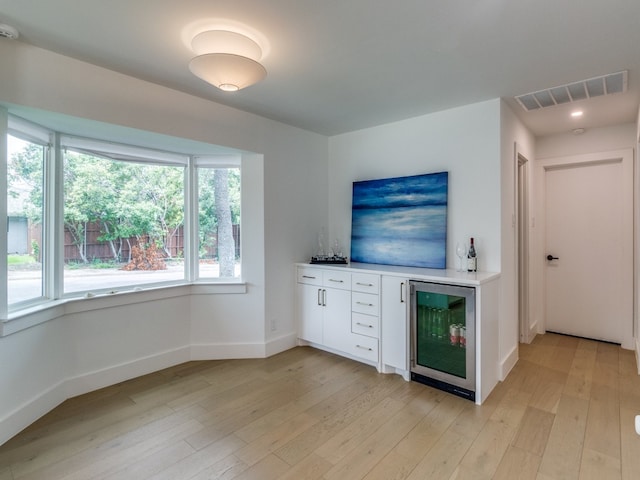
53,395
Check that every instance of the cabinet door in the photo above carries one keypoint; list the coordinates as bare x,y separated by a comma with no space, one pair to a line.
337,318
309,312
394,334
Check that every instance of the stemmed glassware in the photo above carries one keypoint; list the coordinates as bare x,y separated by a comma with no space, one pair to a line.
461,251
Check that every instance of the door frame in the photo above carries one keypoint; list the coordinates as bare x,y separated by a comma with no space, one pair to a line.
625,156
521,182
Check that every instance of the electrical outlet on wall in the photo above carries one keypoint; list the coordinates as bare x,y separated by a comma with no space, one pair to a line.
274,326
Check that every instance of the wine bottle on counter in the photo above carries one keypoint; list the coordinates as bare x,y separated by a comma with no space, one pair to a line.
472,260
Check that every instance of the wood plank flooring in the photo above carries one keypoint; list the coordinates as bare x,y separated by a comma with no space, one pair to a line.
565,412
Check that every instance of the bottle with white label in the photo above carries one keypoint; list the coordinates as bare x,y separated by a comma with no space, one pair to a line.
472,260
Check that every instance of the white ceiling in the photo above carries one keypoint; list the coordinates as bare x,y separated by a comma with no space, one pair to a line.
341,65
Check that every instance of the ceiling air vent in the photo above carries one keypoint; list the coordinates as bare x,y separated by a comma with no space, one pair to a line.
572,92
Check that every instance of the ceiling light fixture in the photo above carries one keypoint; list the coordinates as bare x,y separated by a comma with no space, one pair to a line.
227,60
576,114
7,31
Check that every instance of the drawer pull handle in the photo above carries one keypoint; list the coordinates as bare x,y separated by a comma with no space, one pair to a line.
365,304
364,325
308,276
336,281
364,284
364,348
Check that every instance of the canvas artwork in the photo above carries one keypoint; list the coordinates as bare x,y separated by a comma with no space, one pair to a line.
400,221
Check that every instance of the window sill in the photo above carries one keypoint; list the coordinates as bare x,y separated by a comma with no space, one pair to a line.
38,314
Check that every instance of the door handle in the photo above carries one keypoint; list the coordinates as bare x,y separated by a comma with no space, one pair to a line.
365,304
551,257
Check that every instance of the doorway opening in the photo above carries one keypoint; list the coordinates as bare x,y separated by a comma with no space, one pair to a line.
522,245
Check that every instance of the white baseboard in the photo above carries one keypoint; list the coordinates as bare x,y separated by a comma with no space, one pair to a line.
533,331
508,363
29,412
227,351
280,344
637,350
221,351
54,395
88,382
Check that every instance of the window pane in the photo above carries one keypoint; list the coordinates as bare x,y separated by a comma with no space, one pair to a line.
123,223
24,223
219,222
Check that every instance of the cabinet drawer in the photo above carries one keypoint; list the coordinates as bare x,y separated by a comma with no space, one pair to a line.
366,283
363,347
366,303
336,279
310,276
365,325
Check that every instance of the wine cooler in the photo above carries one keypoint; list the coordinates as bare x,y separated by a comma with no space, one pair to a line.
443,337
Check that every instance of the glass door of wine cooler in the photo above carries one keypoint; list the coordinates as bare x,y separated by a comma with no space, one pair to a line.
443,336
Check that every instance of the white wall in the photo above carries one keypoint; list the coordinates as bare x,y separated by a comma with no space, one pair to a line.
475,144
283,200
463,141
592,140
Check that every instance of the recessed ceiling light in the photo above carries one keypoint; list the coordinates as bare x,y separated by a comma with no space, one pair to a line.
577,113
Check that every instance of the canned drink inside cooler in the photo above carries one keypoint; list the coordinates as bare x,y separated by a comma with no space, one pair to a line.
454,335
463,336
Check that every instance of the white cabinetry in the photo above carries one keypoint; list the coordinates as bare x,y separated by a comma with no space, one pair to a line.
339,312
395,325
365,317
337,308
323,306
309,307
362,312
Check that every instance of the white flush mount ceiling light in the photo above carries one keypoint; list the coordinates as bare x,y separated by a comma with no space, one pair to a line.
7,31
226,60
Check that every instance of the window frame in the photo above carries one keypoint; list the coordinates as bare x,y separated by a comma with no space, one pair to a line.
53,225
211,162
144,157
37,135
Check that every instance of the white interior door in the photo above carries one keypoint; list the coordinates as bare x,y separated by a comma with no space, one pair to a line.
589,228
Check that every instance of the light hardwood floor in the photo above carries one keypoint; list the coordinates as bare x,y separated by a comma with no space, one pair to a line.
566,411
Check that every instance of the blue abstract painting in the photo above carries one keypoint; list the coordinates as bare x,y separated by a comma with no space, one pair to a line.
401,221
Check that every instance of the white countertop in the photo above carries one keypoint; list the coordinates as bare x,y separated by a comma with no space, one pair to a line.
415,273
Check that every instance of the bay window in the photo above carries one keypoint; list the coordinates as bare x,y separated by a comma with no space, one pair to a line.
88,217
